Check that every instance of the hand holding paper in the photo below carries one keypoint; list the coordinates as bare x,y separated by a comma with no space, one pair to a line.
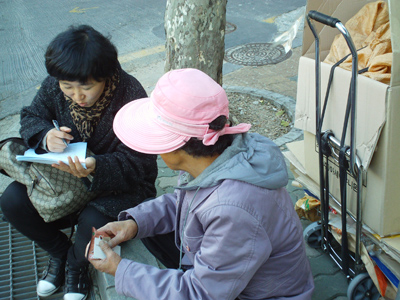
76,168
100,254
73,150
95,251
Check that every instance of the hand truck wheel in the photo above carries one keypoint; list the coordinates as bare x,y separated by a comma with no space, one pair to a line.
362,287
313,235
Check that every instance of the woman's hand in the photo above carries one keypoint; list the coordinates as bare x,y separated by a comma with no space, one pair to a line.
54,138
75,167
108,265
120,231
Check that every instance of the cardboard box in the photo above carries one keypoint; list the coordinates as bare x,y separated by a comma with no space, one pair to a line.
377,126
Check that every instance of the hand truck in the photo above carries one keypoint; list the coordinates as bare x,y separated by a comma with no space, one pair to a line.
318,234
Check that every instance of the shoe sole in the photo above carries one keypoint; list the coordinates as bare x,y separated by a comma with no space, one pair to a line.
82,298
47,294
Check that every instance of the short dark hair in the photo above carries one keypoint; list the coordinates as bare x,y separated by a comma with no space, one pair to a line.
81,52
196,148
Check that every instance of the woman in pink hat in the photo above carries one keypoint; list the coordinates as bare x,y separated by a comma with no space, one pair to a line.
231,223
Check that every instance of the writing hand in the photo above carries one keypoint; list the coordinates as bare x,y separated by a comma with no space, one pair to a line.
54,139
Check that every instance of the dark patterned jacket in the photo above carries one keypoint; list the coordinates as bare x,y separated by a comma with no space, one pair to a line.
127,177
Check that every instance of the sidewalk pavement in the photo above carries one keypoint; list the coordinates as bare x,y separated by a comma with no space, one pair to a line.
281,80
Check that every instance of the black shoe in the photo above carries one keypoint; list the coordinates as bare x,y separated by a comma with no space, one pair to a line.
76,283
53,277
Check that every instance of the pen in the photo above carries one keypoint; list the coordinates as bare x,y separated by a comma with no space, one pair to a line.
55,123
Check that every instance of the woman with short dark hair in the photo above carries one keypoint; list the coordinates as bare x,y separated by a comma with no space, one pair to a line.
84,90
79,53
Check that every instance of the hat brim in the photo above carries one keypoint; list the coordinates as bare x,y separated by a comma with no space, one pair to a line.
135,126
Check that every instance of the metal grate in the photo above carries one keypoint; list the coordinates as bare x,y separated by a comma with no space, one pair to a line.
21,265
257,54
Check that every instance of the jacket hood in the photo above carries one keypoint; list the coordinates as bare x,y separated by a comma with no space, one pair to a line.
251,158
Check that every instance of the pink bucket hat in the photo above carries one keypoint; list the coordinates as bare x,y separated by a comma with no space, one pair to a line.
181,106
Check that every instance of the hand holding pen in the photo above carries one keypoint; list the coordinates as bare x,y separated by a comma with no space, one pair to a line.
55,123
57,138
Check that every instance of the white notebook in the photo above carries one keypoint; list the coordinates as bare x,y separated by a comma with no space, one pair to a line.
74,149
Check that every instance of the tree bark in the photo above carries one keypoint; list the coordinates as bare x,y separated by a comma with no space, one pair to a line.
195,35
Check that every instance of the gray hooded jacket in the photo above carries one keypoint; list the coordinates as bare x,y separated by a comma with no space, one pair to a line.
236,226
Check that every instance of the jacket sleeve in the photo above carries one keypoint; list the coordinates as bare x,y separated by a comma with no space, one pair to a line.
153,217
233,247
124,170
36,119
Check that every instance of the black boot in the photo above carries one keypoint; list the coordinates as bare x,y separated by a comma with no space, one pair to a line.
76,283
53,277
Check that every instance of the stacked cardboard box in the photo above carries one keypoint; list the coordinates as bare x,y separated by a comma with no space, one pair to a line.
377,125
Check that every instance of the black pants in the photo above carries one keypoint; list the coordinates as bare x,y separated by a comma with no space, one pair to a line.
164,249
19,211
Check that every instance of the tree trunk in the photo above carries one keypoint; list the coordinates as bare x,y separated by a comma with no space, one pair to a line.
195,35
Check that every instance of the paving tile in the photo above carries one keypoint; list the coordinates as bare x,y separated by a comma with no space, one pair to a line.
166,184
313,253
329,287
323,265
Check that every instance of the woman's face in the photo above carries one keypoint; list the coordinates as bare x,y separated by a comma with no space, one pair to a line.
84,95
171,159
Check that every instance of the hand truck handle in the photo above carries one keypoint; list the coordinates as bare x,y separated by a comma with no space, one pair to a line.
322,18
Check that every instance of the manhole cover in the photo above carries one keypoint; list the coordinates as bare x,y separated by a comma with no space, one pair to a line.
256,54
229,27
